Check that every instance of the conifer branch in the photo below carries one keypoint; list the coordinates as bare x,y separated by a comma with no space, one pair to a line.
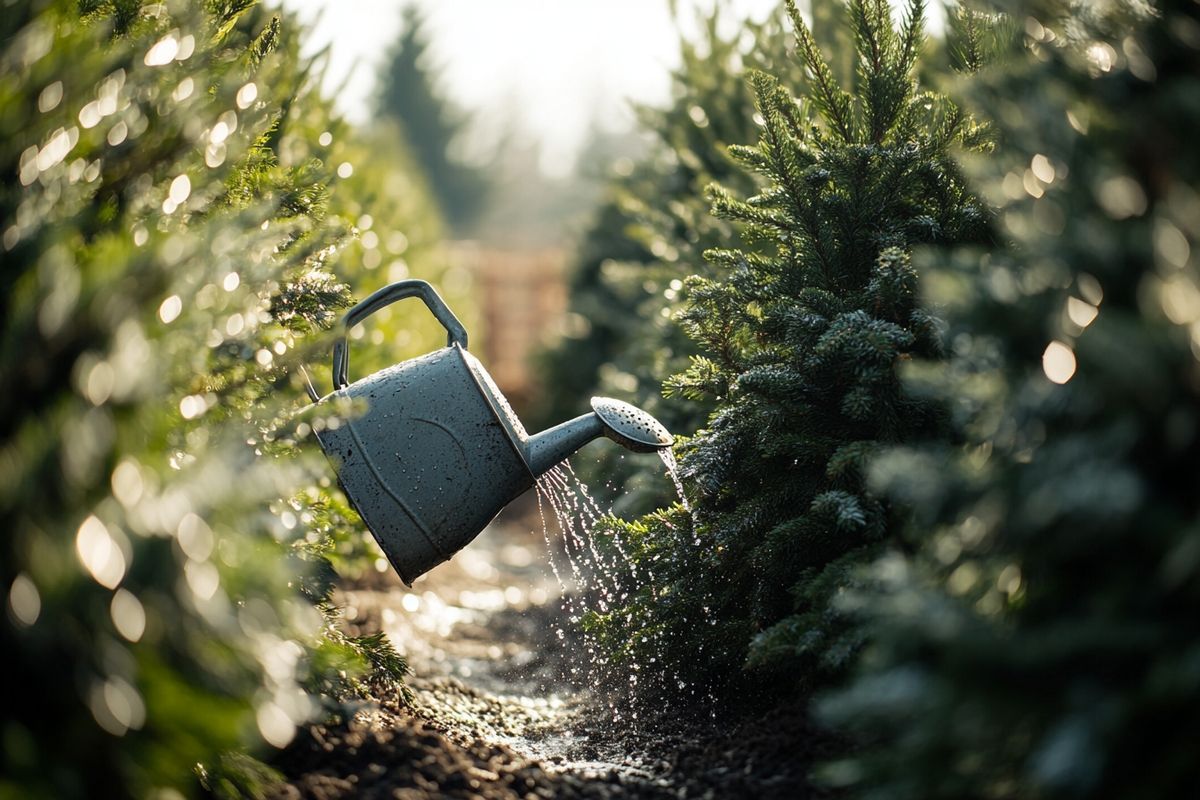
833,102
966,39
867,34
913,35
771,99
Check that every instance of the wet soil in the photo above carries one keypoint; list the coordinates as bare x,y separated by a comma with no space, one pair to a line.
498,713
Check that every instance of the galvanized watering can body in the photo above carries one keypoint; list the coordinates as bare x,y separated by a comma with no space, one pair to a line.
428,451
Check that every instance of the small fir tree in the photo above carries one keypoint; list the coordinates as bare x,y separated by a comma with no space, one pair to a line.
648,234
800,332
1040,639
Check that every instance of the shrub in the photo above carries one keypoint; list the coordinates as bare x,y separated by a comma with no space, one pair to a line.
171,214
1039,637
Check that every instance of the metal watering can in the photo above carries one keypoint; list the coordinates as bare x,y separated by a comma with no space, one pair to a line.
428,451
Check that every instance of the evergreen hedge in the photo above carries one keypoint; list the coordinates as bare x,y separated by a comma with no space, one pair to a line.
173,208
1037,636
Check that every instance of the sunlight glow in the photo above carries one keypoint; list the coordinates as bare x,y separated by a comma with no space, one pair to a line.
548,70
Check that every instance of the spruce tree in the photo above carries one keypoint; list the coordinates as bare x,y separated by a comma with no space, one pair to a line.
648,234
170,217
1039,639
800,331
431,126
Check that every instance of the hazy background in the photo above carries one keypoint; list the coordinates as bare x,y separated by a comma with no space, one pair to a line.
552,69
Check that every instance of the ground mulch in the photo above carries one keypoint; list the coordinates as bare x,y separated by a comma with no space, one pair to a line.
496,713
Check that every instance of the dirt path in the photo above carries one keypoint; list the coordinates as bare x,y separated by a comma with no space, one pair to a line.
495,714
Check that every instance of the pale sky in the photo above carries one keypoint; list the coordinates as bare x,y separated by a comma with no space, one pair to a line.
558,64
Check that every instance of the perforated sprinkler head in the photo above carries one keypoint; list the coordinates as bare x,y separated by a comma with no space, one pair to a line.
631,427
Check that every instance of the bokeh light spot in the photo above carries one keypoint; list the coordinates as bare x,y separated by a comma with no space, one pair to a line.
1121,197
1081,312
275,725
118,133
99,553
50,97
24,600
170,309
192,406
1170,244
1058,362
128,615
117,706
202,578
187,46
247,95
184,90
127,483
195,537
181,187
163,52
1042,169
99,384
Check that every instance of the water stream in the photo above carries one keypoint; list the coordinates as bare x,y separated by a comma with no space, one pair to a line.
598,578
668,458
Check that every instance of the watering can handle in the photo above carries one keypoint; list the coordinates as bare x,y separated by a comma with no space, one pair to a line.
456,333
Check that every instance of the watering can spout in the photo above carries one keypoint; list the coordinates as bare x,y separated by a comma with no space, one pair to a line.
625,424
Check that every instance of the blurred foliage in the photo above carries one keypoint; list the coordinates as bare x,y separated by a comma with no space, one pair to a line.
397,233
430,125
176,198
798,334
1037,636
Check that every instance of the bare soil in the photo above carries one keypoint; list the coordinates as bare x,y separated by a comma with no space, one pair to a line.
497,712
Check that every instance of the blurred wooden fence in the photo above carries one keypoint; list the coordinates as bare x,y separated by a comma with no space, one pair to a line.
522,298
